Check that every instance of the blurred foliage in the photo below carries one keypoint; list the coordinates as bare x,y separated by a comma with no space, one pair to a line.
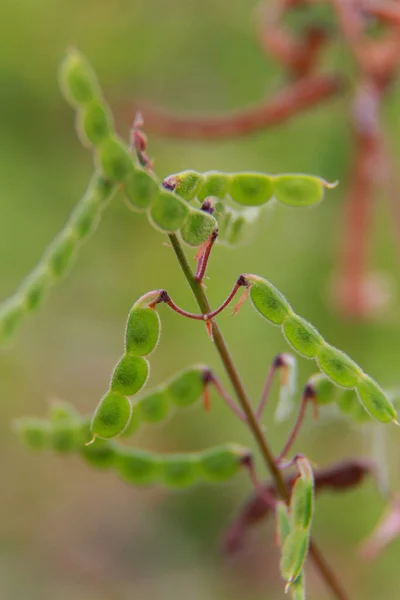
68,532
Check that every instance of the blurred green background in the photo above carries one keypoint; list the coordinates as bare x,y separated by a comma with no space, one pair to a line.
67,531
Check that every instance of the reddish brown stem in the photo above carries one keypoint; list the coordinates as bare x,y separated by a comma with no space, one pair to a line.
268,383
308,394
203,260
211,378
288,102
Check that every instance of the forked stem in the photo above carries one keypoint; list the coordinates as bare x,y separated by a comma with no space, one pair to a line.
324,569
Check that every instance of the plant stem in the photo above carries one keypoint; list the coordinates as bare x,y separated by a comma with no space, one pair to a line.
324,569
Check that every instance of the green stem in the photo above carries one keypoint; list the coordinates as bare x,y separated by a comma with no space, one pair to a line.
324,569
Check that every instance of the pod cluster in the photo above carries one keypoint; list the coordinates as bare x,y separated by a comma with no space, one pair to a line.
293,529
308,342
181,391
114,411
58,257
165,209
66,432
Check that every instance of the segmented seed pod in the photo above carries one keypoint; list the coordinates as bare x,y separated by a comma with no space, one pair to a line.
62,253
153,407
100,454
251,189
294,554
137,467
180,470
94,123
302,336
35,287
168,212
111,416
140,189
374,400
77,79
214,184
34,433
11,314
130,375
299,190
223,462
185,184
302,496
186,387
143,330
198,227
114,159
267,300
338,366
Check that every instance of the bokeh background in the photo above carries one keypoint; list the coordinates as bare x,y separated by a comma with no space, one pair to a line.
68,532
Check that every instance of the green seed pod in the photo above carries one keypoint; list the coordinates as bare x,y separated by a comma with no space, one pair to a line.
61,411
168,212
115,161
237,230
283,523
66,435
375,401
187,387
298,190
140,189
251,189
129,375
338,366
11,315
137,466
301,503
95,122
325,391
154,407
302,336
214,184
34,433
142,331
298,588
78,81
179,470
186,184
198,227
220,463
62,253
100,454
269,302
111,416
86,219
35,288
294,554
133,424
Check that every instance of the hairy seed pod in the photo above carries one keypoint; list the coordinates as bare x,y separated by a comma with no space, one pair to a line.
62,253
129,375
198,227
251,189
186,184
168,212
325,390
134,423
294,554
35,287
301,503
11,315
338,366
111,416
137,466
298,588
95,123
154,407
179,470
215,184
34,433
283,523
375,401
78,81
114,159
100,454
140,190
142,331
86,219
299,190
218,464
302,336
65,436
269,302
187,387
